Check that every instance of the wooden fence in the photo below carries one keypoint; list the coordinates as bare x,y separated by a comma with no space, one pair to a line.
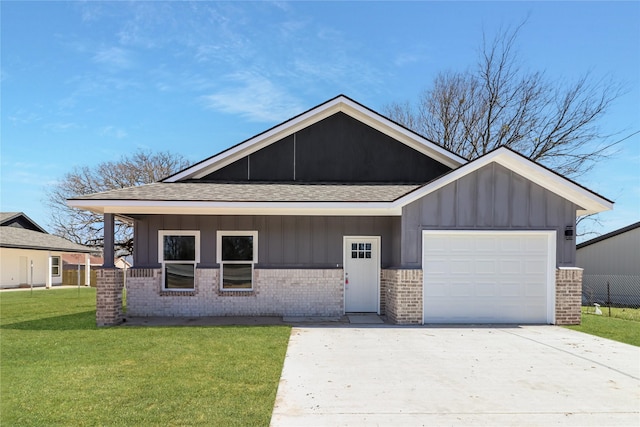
70,277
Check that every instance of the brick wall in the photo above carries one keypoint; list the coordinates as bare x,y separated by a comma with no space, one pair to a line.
109,297
275,293
568,295
403,296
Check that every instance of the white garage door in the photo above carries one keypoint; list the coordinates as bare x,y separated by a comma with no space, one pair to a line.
489,277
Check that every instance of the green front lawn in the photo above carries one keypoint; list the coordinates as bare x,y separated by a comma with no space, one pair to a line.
623,325
58,368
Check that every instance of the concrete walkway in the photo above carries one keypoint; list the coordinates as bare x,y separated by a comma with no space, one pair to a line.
43,288
363,375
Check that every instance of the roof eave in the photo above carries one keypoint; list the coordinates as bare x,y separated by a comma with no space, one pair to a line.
46,248
144,207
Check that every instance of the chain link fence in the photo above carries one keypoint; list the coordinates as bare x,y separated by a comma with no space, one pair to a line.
621,292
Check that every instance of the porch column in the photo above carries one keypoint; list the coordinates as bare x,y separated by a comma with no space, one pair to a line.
87,269
109,297
48,279
108,252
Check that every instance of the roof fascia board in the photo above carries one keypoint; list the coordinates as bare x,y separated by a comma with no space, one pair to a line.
46,248
338,104
587,201
238,208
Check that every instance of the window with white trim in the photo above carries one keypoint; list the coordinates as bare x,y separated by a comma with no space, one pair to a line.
237,252
55,266
178,252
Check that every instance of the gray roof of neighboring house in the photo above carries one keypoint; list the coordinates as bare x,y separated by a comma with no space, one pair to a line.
5,217
609,235
257,192
20,238
8,215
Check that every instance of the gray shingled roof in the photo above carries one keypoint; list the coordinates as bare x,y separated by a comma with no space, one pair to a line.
257,192
7,215
19,238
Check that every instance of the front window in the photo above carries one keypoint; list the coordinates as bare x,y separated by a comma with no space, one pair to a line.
55,266
178,252
237,253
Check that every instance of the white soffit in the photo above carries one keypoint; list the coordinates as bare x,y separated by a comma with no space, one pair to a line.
588,201
338,104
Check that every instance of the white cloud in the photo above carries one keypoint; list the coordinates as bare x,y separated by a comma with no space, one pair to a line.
255,97
114,57
113,132
61,127
23,117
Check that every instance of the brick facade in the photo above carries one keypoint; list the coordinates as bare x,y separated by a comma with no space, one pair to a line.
284,292
568,295
276,293
109,297
403,300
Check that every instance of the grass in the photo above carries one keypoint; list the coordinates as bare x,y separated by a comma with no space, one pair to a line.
623,325
59,369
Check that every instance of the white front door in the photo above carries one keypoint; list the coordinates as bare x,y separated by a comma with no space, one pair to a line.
361,274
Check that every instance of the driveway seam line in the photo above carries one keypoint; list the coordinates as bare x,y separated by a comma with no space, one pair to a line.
573,354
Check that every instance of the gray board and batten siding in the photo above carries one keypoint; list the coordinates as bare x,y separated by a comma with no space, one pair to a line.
491,198
338,148
283,241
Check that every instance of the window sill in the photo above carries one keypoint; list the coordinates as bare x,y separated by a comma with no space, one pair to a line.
177,292
236,292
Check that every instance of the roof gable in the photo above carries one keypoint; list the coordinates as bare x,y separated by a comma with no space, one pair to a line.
340,104
587,200
338,148
19,220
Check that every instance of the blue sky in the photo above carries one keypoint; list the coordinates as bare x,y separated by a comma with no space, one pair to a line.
85,82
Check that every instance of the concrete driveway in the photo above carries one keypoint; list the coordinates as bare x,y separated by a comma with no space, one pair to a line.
413,376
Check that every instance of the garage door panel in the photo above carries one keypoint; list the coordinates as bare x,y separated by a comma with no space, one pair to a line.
460,267
506,290
482,244
485,289
510,266
510,245
481,266
485,277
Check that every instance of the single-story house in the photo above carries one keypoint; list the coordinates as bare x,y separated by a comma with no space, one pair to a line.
29,256
340,210
613,259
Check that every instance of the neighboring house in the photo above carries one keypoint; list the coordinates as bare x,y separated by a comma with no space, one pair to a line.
612,258
340,209
74,268
29,256
73,261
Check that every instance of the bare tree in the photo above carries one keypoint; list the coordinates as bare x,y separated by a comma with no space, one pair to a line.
84,227
498,103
